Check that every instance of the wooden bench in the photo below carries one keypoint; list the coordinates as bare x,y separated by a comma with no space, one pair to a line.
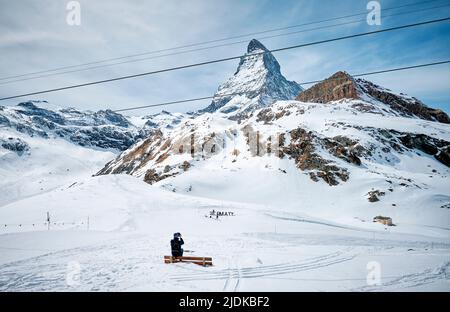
204,261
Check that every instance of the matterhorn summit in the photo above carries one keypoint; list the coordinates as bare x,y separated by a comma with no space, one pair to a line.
257,83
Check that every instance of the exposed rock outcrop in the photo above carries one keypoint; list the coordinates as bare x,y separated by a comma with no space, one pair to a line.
374,196
302,149
15,145
338,86
343,86
406,106
444,156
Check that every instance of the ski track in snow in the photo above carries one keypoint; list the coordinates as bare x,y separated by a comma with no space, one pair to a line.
309,220
263,271
109,266
427,276
103,267
126,263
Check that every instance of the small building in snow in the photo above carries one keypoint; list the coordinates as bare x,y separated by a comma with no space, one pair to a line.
383,220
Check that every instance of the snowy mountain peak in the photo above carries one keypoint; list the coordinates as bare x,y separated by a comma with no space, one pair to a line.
265,58
257,82
255,45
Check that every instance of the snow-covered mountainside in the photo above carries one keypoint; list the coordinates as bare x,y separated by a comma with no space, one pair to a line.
346,134
102,129
33,164
256,83
42,149
320,147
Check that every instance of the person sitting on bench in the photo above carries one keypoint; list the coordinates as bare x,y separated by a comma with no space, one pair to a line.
176,244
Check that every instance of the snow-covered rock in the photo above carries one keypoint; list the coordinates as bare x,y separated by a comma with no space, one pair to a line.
256,83
15,145
164,120
102,129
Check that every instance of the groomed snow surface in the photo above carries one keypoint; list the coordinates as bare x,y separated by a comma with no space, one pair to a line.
260,248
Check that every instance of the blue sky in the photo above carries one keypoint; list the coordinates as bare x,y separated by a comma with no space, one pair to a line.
34,36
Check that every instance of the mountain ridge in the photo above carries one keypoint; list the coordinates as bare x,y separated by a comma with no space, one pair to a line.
102,129
341,85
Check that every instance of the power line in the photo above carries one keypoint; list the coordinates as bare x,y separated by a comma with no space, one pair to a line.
216,40
302,83
229,58
386,71
212,47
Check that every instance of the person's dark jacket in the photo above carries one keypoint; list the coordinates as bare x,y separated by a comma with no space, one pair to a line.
176,244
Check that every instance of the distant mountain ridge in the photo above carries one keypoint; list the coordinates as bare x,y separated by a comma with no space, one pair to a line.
102,129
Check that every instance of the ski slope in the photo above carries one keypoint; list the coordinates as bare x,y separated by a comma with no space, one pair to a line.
263,247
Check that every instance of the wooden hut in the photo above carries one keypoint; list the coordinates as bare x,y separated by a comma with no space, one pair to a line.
383,220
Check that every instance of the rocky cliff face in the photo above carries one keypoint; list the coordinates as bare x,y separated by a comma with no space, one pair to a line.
343,86
256,83
401,103
338,86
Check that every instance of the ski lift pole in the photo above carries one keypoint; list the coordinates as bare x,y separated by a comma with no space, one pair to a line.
48,221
